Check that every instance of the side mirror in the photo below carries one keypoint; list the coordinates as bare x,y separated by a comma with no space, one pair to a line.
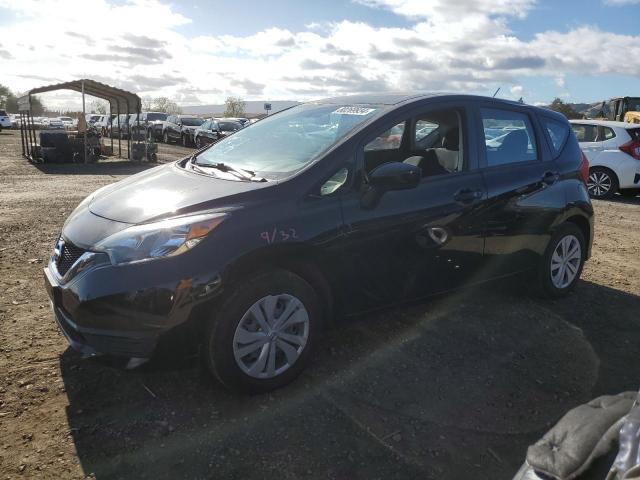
387,177
395,176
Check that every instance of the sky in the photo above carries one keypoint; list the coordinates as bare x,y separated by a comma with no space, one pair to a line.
200,52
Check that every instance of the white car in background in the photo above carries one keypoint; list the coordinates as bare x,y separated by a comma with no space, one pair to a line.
52,124
67,122
613,151
5,121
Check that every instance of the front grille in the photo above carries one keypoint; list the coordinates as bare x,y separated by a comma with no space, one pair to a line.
68,256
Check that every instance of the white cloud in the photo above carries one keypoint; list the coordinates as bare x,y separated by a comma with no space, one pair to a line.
559,81
447,8
454,46
618,3
517,91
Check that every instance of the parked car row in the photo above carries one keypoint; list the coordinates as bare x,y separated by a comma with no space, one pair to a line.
613,150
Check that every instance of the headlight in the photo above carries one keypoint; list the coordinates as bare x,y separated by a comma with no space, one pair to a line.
160,239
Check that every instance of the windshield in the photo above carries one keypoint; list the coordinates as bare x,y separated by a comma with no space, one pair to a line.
633,104
289,140
229,126
192,122
156,116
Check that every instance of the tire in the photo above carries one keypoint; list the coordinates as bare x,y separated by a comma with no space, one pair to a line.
198,143
602,183
629,192
222,350
165,137
184,141
552,281
149,136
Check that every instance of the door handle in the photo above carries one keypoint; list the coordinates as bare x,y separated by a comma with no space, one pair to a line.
549,178
467,195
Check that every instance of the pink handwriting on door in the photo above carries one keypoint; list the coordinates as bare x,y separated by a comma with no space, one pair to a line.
279,235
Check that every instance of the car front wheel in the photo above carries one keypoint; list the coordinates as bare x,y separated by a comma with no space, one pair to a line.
562,262
165,137
198,143
602,183
263,335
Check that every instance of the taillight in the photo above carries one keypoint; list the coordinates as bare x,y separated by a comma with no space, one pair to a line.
584,168
632,148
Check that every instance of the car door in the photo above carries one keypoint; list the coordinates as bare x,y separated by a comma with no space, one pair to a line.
412,243
524,194
589,139
168,127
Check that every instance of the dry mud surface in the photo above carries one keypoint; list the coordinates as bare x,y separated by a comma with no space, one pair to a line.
454,388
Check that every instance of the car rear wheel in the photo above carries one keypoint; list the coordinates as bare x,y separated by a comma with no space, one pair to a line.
602,183
263,335
562,262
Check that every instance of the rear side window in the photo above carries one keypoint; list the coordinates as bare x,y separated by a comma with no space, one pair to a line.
608,133
558,133
634,133
585,133
508,136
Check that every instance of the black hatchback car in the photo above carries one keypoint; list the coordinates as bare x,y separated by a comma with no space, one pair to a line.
331,207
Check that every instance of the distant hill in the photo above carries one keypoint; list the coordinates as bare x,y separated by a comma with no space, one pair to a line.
254,107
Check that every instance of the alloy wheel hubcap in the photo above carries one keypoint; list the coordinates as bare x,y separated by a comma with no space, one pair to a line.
271,336
599,183
565,261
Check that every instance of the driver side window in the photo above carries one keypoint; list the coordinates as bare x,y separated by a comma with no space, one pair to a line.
432,141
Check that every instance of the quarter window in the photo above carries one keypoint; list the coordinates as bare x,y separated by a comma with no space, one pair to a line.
608,133
509,137
585,133
558,133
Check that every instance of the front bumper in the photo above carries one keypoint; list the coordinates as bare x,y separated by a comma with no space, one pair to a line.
107,311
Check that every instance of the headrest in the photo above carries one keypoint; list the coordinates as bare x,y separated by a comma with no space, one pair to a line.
451,140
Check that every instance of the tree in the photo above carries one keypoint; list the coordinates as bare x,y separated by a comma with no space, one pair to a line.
163,104
37,107
98,106
564,108
147,103
235,107
8,100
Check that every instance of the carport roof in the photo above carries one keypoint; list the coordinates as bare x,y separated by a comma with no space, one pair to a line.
115,96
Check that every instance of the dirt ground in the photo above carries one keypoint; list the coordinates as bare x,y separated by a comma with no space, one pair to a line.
454,388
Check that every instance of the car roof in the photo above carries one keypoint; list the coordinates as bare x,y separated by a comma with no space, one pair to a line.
607,123
406,97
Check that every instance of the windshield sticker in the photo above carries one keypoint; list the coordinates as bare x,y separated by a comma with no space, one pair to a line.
354,111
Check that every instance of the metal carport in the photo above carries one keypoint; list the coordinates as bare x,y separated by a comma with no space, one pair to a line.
119,101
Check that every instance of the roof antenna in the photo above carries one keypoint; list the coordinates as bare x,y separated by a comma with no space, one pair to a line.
494,95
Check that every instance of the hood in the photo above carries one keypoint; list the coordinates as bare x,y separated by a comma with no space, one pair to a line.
166,191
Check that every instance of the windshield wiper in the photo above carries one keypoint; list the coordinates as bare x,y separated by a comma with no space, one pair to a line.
223,167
